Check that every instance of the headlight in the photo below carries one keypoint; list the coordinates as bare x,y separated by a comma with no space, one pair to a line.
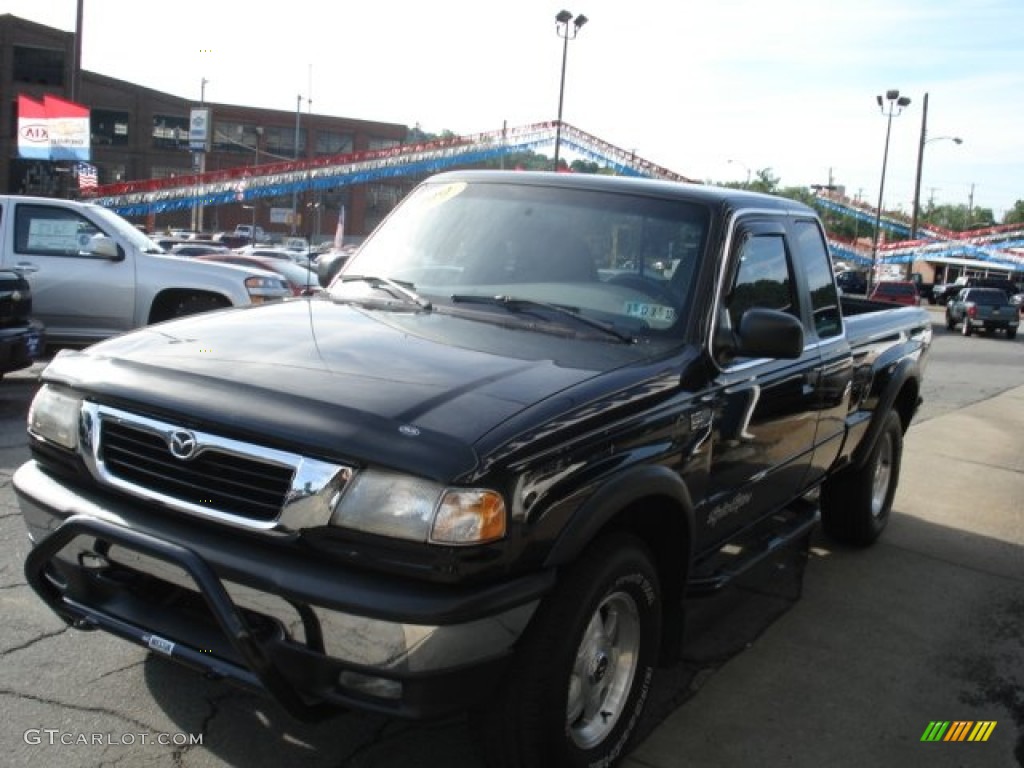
392,504
262,289
53,416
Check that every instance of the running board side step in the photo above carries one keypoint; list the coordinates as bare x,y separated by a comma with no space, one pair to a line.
752,546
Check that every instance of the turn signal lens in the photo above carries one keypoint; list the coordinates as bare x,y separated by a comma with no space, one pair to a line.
469,517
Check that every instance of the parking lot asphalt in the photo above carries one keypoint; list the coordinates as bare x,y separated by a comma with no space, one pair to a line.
925,626
830,656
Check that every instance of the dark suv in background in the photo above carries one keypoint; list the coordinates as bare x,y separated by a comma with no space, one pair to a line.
851,281
21,337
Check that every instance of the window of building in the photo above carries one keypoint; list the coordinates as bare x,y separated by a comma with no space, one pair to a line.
281,141
333,143
379,143
170,132
169,172
229,136
39,66
109,127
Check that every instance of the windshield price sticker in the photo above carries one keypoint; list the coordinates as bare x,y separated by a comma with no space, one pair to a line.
655,312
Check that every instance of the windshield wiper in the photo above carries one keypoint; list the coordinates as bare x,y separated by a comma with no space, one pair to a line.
514,304
397,288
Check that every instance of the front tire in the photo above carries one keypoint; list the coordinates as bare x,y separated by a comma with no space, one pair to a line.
855,504
582,677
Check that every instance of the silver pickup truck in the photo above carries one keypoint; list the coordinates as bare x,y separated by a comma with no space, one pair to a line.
94,275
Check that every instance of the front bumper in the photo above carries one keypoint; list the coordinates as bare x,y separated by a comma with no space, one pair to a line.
265,614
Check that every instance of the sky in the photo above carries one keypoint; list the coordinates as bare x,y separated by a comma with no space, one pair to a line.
712,91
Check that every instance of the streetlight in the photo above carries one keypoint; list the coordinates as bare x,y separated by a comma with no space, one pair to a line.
896,105
562,30
295,192
920,161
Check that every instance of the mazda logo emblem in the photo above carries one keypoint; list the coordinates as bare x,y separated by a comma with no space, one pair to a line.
182,444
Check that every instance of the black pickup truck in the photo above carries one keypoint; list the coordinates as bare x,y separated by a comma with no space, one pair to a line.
533,413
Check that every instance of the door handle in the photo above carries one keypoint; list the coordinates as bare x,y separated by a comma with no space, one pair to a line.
25,268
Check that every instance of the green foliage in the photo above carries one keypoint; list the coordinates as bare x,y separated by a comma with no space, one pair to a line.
1016,214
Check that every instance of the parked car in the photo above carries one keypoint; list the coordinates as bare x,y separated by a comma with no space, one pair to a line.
302,280
925,290
480,478
852,282
190,250
983,309
254,234
22,339
896,292
274,253
330,263
95,275
943,293
1018,300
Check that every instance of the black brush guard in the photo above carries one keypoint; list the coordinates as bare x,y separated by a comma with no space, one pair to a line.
261,670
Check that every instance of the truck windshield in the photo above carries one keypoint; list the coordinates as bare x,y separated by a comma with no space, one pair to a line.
627,261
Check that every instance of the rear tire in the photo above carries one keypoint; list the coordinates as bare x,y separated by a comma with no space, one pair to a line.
855,504
950,322
582,675
1011,333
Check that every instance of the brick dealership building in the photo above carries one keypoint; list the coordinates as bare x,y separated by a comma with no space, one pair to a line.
139,133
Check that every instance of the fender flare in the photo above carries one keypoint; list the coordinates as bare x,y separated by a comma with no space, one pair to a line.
614,495
906,370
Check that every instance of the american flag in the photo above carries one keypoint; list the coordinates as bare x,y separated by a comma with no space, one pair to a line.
87,176
339,233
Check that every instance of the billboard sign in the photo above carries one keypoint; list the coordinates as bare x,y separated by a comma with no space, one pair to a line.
53,129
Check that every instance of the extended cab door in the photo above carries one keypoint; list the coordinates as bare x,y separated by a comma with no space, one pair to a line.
764,411
833,378
76,294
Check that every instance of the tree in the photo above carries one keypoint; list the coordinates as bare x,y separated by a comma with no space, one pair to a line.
1016,214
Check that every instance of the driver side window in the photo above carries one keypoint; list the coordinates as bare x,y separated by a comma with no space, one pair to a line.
763,278
51,231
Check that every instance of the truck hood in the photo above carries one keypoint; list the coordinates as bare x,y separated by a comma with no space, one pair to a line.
413,391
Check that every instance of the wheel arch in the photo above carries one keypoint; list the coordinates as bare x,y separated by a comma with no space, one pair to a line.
902,394
163,303
653,504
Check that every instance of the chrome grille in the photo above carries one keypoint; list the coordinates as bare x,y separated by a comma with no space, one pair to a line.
232,484
200,473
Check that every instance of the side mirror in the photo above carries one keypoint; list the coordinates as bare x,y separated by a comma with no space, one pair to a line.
769,333
105,248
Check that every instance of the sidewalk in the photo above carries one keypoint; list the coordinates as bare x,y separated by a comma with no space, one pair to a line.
926,625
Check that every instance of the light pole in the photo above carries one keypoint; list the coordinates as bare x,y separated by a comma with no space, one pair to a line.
562,30
295,192
896,104
920,162
255,170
